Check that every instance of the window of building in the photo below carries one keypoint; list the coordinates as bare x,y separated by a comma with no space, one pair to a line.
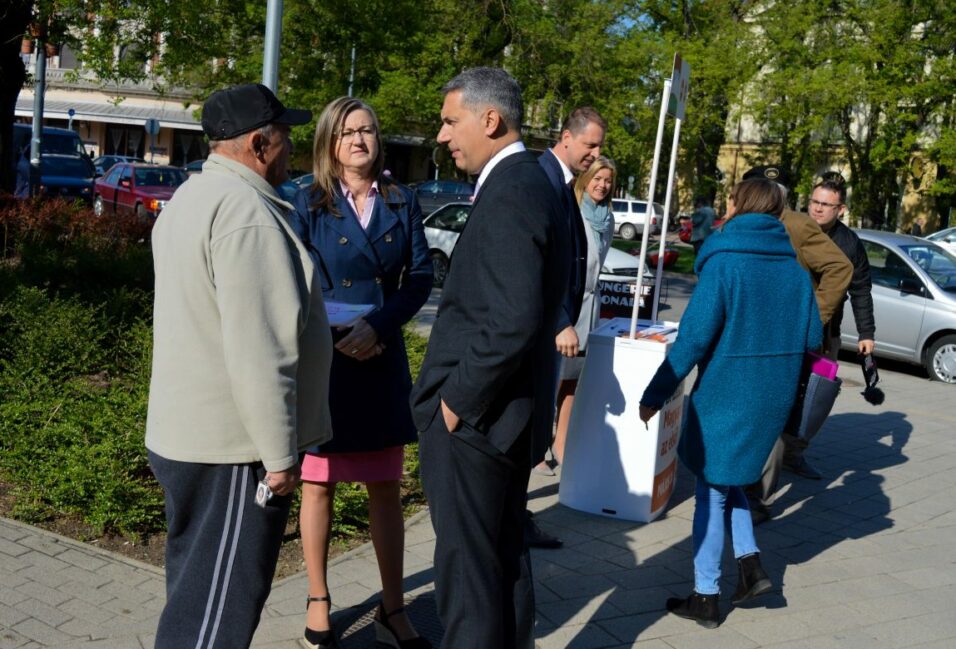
125,140
68,58
187,146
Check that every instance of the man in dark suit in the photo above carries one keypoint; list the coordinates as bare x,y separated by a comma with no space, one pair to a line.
484,398
582,136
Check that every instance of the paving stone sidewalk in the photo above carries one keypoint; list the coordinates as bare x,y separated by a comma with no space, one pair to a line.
864,558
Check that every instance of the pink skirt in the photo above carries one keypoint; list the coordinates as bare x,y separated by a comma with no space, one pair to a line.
370,466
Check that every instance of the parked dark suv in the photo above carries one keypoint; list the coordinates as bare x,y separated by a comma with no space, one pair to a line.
432,194
66,176
52,140
65,170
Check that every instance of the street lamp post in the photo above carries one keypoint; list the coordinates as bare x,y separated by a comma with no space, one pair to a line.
37,134
270,59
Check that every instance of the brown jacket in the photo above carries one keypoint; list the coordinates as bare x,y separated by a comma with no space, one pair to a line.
830,270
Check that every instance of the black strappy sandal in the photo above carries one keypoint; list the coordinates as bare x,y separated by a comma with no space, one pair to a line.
385,634
319,639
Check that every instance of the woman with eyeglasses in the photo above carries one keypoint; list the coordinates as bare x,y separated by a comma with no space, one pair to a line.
365,231
748,325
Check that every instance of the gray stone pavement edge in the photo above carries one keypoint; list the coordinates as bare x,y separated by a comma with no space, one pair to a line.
863,558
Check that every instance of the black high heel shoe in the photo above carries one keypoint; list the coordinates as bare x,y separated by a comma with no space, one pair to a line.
385,634
313,639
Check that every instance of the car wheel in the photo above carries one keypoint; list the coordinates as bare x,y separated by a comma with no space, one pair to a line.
98,207
941,360
141,211
439,268
628,232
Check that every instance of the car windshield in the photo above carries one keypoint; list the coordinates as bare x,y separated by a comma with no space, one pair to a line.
75,167
56,143
939,264
167,177
450,217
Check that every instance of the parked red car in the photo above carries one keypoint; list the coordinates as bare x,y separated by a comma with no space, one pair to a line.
140,188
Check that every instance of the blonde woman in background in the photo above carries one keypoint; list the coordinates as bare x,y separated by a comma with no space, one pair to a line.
593,190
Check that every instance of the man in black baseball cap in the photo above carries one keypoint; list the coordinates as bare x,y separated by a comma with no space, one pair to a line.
830,271
249,124
239,388
240,109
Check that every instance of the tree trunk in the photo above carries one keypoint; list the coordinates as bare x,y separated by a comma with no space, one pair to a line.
13,25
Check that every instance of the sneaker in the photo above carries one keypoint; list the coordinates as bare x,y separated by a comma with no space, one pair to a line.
543,469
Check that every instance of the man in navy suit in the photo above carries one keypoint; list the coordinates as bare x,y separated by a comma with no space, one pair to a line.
582,136
484,398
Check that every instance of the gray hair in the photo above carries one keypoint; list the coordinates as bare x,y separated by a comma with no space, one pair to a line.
484,87
233,144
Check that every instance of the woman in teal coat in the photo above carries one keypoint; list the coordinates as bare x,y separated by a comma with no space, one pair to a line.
747,328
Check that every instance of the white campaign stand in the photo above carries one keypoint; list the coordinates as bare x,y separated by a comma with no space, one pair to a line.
613,465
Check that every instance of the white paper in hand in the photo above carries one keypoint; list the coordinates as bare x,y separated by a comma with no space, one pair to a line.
344,315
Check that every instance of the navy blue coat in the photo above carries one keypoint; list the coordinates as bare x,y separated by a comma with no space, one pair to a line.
388,266
571,306
749,323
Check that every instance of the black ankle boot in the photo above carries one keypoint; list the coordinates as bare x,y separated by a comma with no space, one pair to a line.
702,609
753,579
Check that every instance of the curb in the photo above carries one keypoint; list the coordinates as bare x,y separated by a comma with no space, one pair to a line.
85,547
156,570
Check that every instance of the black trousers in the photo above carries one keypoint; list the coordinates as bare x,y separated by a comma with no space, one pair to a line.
221,553
477,497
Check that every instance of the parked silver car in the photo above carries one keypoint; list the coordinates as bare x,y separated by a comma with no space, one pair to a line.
914,302
945,238
617,280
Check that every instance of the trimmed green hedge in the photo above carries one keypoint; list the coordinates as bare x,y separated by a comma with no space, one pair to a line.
75,344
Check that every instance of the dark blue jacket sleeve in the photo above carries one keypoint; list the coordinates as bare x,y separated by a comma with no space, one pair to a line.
416,281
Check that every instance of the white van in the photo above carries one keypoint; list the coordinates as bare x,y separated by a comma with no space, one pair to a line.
630,217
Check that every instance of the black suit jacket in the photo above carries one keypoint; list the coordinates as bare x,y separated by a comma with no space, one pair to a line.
571,307
491,351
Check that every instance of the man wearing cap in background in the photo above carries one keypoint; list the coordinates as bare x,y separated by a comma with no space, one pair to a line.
241,358
831,272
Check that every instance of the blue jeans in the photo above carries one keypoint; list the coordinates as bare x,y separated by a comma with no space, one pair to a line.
719,508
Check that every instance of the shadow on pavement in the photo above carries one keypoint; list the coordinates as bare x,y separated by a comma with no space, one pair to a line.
599,577
855,447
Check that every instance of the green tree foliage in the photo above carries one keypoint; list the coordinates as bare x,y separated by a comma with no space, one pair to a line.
715,37
872,77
